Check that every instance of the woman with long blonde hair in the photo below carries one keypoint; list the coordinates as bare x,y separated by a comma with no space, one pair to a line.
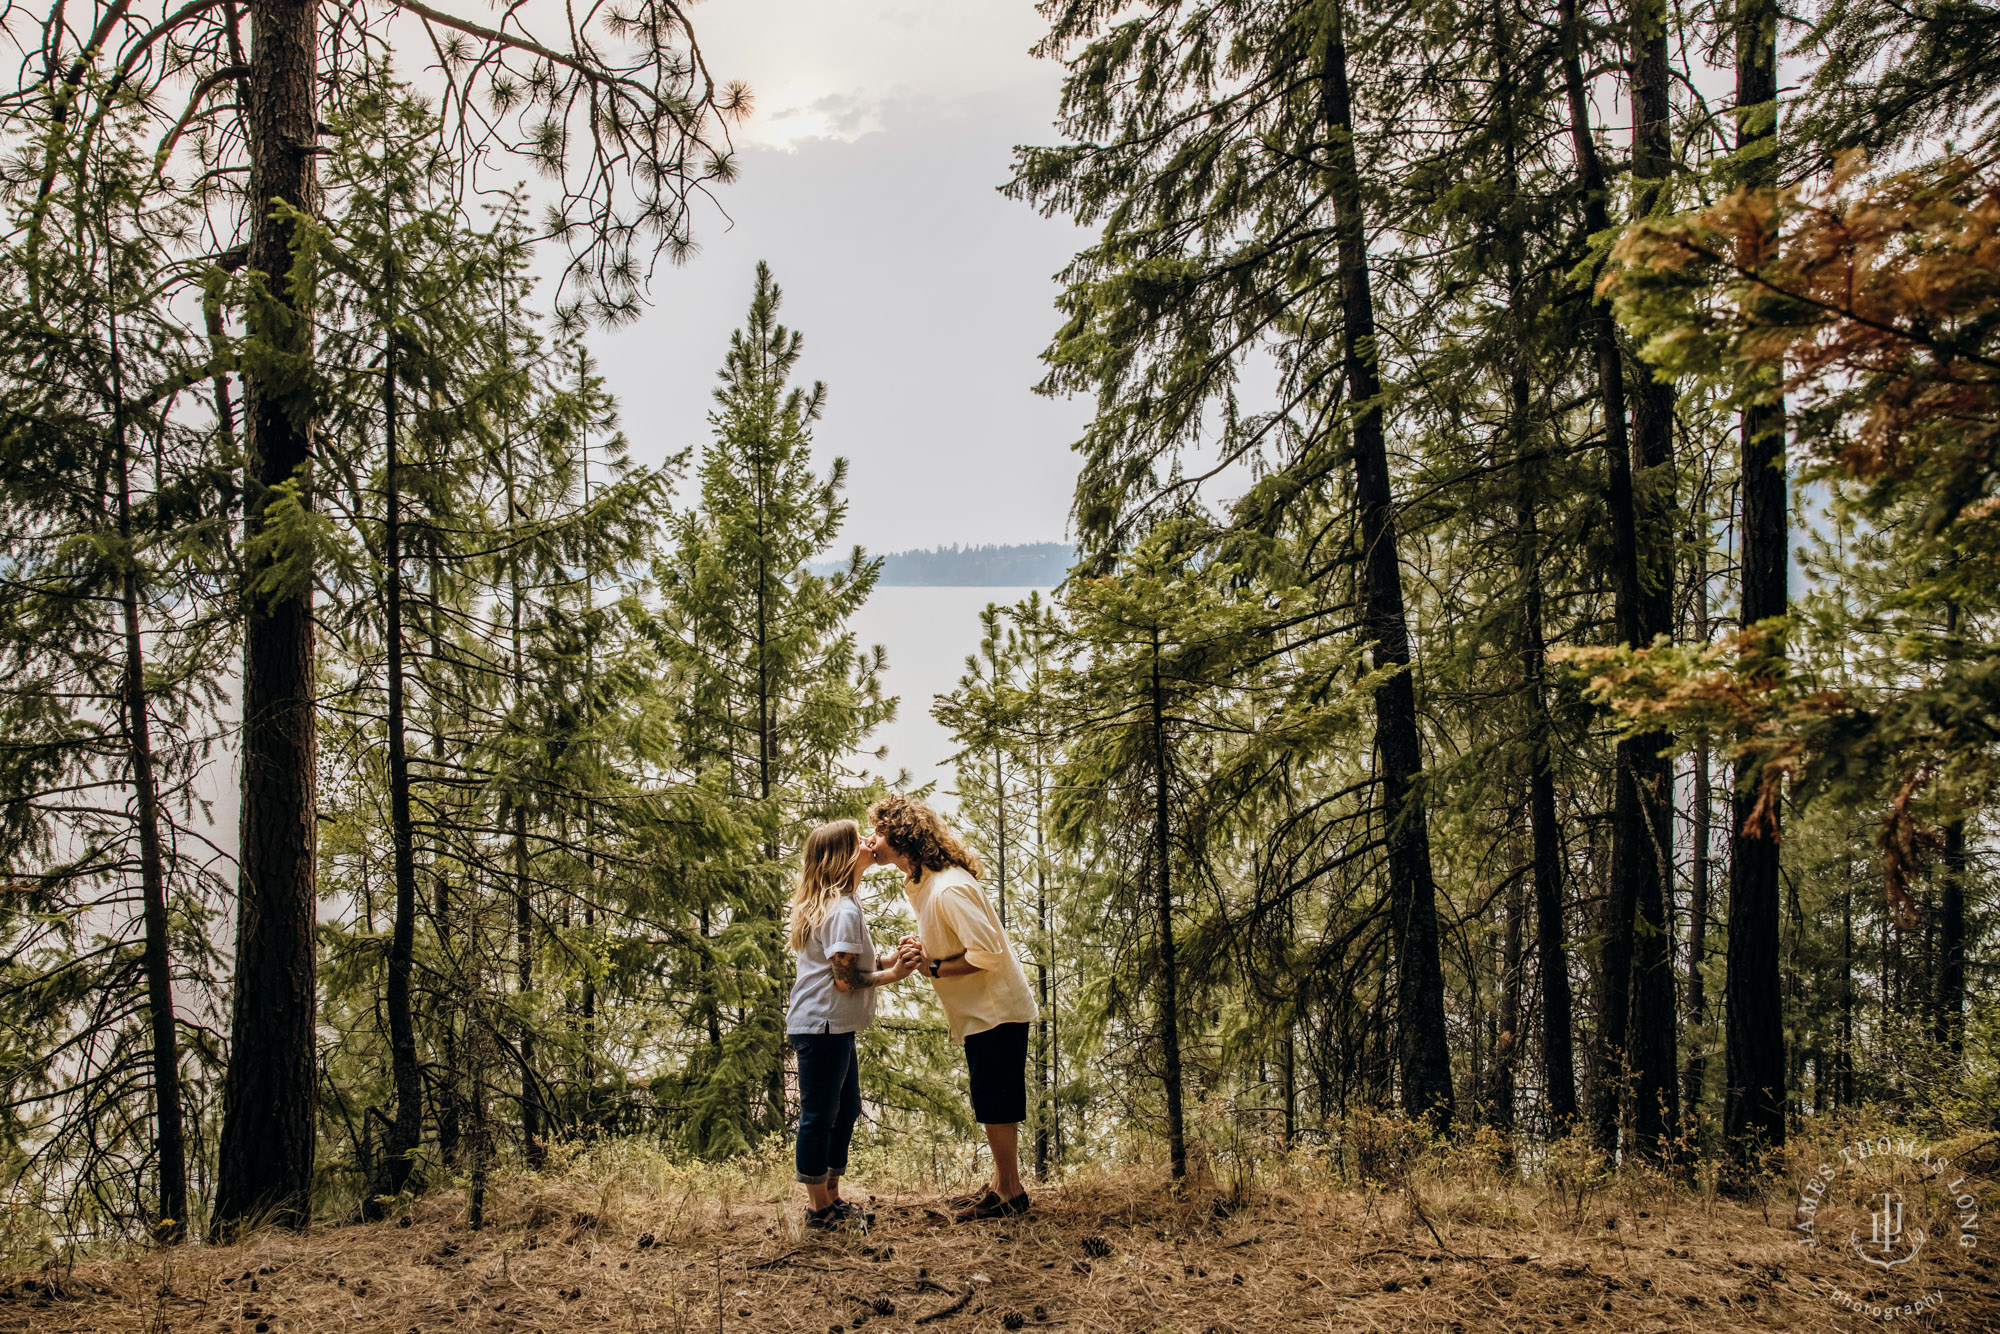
832,1001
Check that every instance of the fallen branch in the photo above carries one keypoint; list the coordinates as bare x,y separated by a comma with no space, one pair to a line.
1418,1206
948,1311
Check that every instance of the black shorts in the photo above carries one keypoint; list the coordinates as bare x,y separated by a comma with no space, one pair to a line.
998,1061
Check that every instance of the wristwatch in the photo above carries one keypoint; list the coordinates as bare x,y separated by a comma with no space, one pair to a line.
934,965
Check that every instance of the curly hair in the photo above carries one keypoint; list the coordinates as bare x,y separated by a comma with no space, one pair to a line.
914,830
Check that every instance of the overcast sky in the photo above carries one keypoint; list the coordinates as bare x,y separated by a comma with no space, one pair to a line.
869,167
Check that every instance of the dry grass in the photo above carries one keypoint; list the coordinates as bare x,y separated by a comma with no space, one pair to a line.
1101,1252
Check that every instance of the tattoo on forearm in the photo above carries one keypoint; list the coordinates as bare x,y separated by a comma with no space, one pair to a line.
848,973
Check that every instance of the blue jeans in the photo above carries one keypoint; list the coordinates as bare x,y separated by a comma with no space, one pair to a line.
829,1103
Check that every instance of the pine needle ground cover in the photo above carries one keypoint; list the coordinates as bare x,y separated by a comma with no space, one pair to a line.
569,1252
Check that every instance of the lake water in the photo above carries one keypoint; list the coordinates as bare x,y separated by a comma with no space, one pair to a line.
927,633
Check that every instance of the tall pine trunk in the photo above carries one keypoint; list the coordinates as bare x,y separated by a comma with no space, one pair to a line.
1754,1110
1695,1075
1170,1013
1544,826
776,1110
1422,1054
1000,815
1544,830
1699,871
451,1085
1650,1050
170,1135
1631,861
591,1110
406,1129
1044,1053
532,1142
1507,1049
265,1154
1847,996
1951,944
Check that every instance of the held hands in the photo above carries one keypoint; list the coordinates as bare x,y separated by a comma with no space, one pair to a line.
899,963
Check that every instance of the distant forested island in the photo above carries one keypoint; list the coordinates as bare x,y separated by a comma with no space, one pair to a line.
1024,565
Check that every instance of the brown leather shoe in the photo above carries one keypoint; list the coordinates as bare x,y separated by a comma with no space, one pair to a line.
992,1206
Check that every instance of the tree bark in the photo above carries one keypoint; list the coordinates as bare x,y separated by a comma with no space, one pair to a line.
1422,1054
1544,829
533,1146
1170,1014
1506,1056
1000,813
451,1079
1754,1109
1630,856
265,1154
169,1131
1044,1053
591,1108
1651,1058
1847,997
1951,944
1697,992
406,1129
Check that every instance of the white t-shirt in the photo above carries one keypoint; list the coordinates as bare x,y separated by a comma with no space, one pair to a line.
953,918
817,1005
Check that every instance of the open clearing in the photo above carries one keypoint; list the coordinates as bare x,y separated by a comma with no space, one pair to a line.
1099,1253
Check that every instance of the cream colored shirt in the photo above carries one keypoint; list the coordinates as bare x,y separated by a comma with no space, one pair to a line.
954,917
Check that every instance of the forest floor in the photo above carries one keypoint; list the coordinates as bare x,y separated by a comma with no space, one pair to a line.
1121,1252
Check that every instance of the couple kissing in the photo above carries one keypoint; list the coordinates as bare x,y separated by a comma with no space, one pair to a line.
959,944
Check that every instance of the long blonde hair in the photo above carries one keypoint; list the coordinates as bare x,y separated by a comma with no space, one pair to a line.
830,871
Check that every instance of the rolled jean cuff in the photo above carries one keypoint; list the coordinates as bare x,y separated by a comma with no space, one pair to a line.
805,1180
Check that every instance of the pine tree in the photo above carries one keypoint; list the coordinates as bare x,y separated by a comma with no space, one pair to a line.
981,714
115,509
777,698
1281,172
634,90
1005,717
402,337
1157,640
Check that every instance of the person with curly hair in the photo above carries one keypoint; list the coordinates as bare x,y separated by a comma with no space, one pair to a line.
961,945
